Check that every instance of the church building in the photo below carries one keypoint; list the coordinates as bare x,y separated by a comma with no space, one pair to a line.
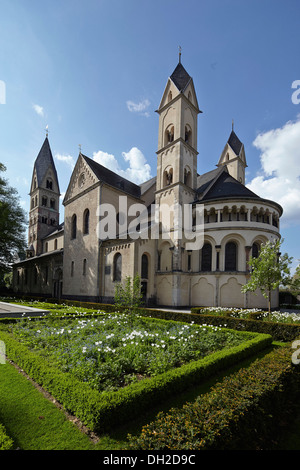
114,228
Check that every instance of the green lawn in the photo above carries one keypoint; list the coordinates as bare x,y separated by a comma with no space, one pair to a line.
34,423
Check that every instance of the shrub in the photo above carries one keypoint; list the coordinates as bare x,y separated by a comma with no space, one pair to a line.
101,411
6,442
238,413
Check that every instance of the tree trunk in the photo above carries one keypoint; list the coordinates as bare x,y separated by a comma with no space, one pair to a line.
269,303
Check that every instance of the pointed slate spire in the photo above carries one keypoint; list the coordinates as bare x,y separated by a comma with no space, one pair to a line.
235,143
180,77
43,161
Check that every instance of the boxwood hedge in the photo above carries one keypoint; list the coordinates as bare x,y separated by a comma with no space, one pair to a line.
101,411
6,442
239,413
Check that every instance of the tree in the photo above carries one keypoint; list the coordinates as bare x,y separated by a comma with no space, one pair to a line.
129,296
269,270
12,225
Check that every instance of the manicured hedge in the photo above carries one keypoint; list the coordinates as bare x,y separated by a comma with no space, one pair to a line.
103,411
6,442
240,412
285,332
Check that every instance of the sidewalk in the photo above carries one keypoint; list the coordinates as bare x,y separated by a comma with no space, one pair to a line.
19,311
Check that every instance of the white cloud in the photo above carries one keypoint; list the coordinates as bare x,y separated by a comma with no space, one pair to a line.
137,172
139,107
68,159
107,160
280,161
38,109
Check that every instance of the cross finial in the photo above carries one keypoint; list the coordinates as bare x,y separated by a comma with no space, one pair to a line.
79,148
179,54
47,130
232,124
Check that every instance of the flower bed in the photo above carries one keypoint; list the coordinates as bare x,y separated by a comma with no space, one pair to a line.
102,410
110,351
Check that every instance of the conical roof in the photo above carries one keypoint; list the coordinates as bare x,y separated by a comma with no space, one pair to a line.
43,161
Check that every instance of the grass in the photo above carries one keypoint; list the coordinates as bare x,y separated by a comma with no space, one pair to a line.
34,422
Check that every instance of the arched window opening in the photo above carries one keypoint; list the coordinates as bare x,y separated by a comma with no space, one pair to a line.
187,176
145,266
74,227
169,135
188,134
55,244
168,176
170,96
206,257
230,256
44,201
86,222
49,184
118,267
52,203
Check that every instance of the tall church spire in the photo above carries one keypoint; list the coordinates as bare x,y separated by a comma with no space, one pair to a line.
44,199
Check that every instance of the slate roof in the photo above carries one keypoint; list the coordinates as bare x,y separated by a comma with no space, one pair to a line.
113,179
147,184
235,143
180,77
219,184
43,161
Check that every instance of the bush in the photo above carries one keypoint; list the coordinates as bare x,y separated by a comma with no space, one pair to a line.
101,411
238,413
6,442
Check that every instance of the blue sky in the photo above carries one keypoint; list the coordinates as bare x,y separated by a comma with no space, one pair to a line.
95,71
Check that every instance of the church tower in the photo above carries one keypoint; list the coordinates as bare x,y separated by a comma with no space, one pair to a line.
177,143
177,139
44,200
176,180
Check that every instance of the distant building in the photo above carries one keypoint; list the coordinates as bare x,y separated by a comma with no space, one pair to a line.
71,260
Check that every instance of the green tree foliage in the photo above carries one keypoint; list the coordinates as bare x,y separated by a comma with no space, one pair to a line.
12,225
269,270
128,297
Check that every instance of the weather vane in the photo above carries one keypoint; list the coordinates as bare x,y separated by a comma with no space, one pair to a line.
79,148
180,54
47,130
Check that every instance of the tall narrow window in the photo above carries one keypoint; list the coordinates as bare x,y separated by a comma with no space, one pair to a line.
206,257
230,257
118,267
72,268
74,226
84,267
86,222
144,266
55,244
255,250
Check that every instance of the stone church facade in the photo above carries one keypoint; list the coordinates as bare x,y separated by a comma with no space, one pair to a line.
114,228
